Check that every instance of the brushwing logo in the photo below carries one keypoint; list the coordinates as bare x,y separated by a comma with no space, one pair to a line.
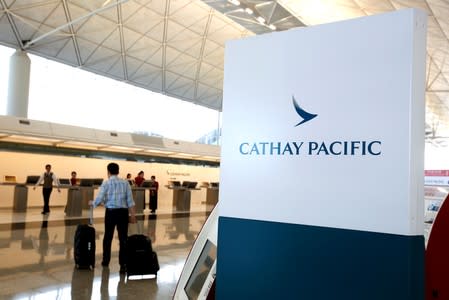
356,147
306,116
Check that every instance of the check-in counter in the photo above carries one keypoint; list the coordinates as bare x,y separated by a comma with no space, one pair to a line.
139,199
87,186
87,194
212,190
20,198
20,194
78,197
74,206
181,197
212,196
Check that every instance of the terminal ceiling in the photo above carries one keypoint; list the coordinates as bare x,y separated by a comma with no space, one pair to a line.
176,47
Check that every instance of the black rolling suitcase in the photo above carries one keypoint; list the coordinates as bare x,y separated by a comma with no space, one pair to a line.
141,259
84,245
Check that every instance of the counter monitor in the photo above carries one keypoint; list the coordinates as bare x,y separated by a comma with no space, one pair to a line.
32,179
148,183
86,182
64,181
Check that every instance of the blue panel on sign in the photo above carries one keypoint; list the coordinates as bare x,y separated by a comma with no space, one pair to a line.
310,262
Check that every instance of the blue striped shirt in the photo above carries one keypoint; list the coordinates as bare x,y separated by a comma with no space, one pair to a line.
114,193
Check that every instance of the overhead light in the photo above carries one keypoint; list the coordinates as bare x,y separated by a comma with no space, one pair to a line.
63,145
272,27
81,145
235,2
210,157
261,19
158,152
122,148
249,11
184,154
72,146
31,140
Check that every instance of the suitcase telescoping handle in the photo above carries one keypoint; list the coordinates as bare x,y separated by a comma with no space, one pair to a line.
91,215
135,228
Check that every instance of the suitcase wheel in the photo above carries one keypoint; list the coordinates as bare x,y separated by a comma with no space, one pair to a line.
91,267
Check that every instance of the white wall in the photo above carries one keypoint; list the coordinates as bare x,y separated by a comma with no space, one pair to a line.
23,164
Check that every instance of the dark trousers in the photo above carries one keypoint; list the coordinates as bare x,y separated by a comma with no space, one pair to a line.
46,192
115,217
153,202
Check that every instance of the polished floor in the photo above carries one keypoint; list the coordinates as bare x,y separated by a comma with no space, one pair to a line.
36,256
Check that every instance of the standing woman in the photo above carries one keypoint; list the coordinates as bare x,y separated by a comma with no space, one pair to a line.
153,194
139,179
130,180
73,179
49,178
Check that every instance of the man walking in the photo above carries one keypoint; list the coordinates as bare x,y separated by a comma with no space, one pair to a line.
49,178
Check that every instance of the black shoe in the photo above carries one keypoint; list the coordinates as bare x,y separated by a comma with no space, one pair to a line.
104,264
122,270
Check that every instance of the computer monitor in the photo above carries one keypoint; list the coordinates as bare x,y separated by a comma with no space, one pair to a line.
147,183
10,179
175,183
192,184
185,184
97,181
86,182
215,184
32,179
64,181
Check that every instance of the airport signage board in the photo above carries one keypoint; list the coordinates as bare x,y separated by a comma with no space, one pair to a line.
436,177
331,108
314,120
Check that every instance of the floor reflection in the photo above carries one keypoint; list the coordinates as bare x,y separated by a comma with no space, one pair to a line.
104,287
43,242
82,284
139,288
37,259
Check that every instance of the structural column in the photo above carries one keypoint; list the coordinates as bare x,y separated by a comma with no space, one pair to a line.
19,84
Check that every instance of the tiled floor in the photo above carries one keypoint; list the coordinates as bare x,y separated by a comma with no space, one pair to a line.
36,256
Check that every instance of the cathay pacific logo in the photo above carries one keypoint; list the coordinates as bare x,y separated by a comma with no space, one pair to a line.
312,148
344,147
306,116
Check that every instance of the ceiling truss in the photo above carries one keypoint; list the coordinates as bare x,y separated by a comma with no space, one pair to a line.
177,47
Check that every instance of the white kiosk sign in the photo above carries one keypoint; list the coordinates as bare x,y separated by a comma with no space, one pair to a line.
314,119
